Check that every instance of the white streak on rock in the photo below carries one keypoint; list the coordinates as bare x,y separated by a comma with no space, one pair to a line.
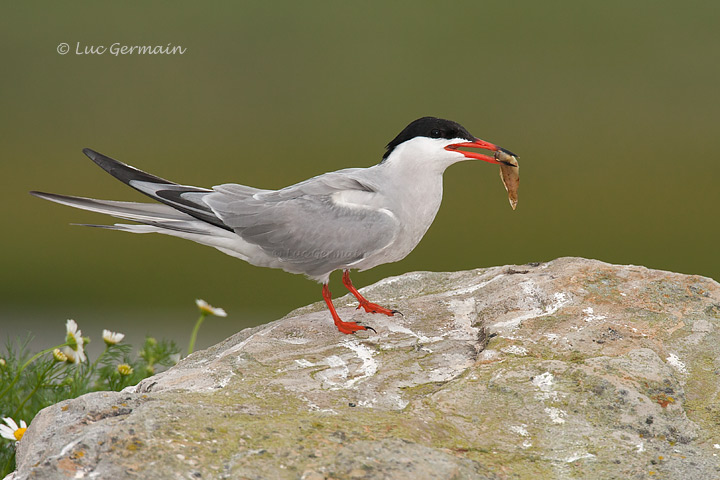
369,366
391,280
488,355
335,361
530,289
515,350
395,328
68,447
556,415
590,315
561,299
464,316
335,376
579,456
520,430
544,383
674,361
225,380
470,289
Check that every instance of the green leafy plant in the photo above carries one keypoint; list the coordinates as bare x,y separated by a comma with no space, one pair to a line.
31,382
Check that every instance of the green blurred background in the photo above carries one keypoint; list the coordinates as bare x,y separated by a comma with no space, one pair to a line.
612,106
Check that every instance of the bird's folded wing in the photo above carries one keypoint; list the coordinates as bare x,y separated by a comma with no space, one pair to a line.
310,224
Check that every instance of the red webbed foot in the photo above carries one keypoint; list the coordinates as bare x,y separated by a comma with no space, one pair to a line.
375,308
364,303
351,327
343,327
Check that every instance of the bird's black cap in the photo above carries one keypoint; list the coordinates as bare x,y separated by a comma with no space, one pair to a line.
430,127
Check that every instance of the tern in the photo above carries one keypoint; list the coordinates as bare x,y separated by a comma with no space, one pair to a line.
350,219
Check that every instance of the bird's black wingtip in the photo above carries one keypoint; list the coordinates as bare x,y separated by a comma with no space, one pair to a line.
53,197
91,154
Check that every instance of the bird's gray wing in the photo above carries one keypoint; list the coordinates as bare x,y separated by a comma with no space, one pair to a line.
317,226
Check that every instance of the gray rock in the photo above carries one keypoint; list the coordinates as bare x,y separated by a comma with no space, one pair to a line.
567,369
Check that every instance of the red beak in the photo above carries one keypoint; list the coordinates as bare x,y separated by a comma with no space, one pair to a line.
476,144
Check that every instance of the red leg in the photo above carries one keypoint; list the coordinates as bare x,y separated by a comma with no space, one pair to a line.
344,327
368,306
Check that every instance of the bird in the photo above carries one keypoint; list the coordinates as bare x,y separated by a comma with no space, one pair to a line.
349,219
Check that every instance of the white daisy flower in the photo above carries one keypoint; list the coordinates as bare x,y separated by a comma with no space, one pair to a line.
111,338
75,350
73,336
70,356
124,369
206,308
80,354
11,431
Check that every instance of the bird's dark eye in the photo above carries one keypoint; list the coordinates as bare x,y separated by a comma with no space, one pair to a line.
436,133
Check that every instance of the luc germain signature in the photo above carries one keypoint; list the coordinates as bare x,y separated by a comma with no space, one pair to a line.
117,49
